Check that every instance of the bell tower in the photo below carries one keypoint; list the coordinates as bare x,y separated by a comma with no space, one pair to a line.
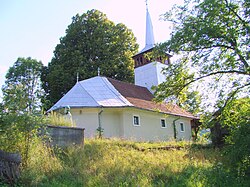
148,73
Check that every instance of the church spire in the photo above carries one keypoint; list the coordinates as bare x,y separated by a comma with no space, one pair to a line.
150,41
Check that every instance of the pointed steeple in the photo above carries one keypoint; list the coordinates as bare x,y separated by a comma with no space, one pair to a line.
148,72
149,40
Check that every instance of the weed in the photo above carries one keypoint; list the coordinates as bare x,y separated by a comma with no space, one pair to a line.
115,162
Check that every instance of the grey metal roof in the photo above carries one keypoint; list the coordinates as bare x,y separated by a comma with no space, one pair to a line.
93,92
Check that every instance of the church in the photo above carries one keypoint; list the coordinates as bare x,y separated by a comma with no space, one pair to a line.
112,108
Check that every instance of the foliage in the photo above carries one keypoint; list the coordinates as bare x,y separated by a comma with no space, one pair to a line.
212,37
192,103
22,91
41,163
22,95
187,98
17,133
91,42
236,116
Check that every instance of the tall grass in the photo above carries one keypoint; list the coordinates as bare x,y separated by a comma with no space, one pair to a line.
60,120
117,162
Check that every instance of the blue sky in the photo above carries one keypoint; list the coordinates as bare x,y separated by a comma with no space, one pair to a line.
32,28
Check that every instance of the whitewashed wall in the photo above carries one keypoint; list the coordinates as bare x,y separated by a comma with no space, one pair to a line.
118,122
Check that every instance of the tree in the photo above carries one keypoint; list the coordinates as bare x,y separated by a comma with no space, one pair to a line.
213,38
22,95
236,117
187,98
91,42
192,102
22,90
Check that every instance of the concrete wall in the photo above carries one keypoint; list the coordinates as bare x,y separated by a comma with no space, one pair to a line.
65,136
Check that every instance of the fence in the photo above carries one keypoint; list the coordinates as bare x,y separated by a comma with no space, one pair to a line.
9,167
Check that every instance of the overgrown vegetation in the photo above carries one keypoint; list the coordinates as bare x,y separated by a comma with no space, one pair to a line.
216,46
59,120
125,163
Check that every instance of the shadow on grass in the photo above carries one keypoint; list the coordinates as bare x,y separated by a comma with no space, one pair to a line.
105,163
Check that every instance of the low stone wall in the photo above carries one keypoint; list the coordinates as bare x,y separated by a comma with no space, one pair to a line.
9,167
65,136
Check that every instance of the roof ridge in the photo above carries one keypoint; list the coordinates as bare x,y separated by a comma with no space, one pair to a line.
88,93
123,99
132,84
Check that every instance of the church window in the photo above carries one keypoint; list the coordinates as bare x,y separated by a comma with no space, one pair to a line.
182,127
136,120
163,123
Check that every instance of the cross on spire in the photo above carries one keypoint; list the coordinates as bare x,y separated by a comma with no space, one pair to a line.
98,71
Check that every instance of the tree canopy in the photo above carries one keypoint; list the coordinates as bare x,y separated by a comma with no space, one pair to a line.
212,37
91,42
22,91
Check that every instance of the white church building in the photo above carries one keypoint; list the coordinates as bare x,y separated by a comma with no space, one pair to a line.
125,110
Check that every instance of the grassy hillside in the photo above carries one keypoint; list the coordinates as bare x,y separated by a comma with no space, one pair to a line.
125,163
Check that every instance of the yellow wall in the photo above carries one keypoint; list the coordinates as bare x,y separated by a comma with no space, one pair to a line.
110,121
118,122
87,119
150,126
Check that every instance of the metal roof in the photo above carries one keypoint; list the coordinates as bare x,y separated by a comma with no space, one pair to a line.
93,92
106,92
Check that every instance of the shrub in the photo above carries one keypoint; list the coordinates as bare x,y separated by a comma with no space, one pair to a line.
237,118
17,133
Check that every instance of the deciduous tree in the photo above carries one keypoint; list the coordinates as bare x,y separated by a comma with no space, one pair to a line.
22,95
91,42
22,91
212,37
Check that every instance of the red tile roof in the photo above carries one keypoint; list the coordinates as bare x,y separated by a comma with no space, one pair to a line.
142,98
131,90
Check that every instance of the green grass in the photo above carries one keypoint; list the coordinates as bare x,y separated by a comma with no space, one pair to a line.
117,162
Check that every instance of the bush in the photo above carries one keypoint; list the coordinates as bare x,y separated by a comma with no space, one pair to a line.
17,133
236,117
